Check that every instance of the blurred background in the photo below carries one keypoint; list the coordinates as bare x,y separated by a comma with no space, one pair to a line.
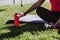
10,2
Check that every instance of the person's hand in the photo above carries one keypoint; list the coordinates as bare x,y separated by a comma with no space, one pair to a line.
22,14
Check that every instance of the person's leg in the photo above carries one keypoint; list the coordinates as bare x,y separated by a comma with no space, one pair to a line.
46,15
58,21
58,25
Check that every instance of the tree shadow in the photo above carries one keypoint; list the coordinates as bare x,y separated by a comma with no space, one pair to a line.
30,27
58,28
2,9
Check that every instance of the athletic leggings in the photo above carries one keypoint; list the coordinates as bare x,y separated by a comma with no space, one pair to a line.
49,16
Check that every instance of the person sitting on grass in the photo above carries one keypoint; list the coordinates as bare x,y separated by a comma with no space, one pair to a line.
52,15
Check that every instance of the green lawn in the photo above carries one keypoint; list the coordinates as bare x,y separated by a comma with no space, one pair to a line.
27,31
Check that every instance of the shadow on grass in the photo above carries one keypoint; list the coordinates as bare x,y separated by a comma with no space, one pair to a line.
30,27
58,27
2,9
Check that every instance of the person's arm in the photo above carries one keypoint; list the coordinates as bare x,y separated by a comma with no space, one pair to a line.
34,6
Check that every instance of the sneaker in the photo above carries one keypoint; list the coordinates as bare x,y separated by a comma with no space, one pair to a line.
47,25
50,26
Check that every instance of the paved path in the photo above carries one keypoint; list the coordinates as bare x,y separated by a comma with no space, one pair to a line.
9,2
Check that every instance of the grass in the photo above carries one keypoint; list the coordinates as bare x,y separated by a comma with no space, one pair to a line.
27,31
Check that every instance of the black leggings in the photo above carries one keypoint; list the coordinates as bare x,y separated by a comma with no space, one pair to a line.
47,15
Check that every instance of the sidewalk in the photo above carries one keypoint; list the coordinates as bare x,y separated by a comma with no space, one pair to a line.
10,2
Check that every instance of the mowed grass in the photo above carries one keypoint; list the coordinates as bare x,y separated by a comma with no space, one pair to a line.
26,31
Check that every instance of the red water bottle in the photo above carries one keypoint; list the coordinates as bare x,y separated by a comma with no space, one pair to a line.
16,20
